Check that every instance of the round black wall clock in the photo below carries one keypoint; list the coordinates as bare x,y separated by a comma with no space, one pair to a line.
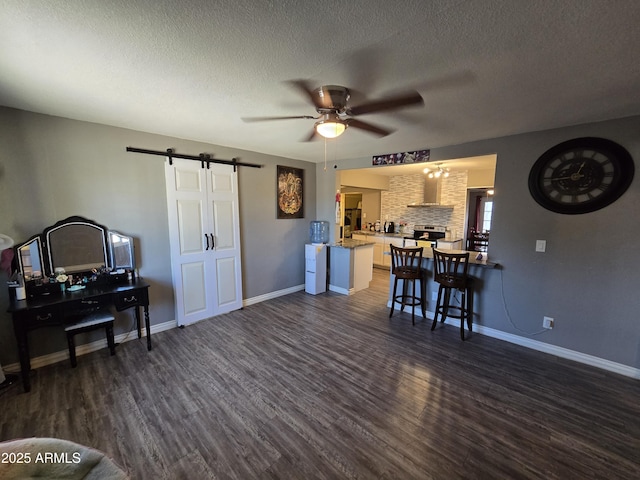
581,175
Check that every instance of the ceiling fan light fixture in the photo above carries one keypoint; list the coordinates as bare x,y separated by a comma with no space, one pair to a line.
331,126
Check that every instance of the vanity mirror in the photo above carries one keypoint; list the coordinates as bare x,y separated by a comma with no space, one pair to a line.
121,250
76,245
30,258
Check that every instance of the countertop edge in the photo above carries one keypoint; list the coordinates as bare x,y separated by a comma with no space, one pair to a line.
350,244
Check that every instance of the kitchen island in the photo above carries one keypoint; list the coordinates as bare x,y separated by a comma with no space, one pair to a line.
350,266
478,268
381,244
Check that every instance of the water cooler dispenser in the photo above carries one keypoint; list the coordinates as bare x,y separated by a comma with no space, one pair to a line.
315,256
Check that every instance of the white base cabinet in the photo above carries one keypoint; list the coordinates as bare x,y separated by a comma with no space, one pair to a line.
449,245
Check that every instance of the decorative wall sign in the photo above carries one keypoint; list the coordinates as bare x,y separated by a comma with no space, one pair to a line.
290,189
416,156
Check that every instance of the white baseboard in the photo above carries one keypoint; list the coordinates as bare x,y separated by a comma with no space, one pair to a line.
56,357
343,291
268,296
544,347
561,352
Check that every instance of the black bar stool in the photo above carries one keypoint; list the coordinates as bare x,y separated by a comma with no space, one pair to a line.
406,265
90,322
451,273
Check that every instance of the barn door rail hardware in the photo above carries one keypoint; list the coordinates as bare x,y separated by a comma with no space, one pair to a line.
205,159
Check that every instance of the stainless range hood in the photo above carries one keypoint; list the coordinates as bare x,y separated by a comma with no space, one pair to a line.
432,194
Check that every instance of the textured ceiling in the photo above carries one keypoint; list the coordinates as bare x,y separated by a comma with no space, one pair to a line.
193,68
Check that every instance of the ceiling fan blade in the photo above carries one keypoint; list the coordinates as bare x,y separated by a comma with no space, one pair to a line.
267,119
312,136
381,132
308,91
390,103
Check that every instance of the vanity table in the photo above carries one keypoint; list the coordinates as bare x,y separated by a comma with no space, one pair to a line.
103,260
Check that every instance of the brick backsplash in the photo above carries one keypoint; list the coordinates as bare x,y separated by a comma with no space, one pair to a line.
406,189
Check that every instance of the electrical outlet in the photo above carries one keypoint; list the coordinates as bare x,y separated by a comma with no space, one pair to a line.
547,322
541,245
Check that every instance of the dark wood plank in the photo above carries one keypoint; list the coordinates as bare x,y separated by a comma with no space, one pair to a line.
328,386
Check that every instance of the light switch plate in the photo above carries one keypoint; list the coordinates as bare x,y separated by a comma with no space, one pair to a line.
541,245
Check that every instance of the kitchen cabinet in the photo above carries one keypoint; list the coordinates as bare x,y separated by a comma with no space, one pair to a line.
350,266
449,244
377,254
381,247
378,246
388,241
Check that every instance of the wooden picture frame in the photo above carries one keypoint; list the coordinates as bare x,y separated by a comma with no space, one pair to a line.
289,192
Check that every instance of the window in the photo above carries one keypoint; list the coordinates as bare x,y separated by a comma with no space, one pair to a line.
486,215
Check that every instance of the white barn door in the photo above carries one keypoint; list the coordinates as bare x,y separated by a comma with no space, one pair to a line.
204,231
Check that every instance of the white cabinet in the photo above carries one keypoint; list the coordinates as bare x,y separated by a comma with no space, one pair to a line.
378,249
449,245
388,241
350,268
378,246
362,267
382,248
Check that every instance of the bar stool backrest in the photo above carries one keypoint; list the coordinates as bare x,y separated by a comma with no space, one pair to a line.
406,262
451,269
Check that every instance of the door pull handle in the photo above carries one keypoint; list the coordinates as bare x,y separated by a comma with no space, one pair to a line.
213,242
207,238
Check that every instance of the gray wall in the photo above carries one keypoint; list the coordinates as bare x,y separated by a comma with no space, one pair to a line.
587,279
52,168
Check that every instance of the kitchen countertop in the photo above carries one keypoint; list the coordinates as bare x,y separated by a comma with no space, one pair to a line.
427,254
382,234
350,243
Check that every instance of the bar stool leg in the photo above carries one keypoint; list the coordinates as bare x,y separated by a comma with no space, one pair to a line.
393,296
72,350
438,307
445,307
423,297
463,312
470,308
404,294
413,301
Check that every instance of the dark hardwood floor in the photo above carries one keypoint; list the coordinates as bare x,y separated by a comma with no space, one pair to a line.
327,386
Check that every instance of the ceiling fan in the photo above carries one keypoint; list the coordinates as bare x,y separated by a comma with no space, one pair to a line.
335,115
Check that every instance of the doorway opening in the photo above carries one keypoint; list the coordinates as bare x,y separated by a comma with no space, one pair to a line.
479,217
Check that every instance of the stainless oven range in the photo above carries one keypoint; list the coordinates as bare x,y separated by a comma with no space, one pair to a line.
428,232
